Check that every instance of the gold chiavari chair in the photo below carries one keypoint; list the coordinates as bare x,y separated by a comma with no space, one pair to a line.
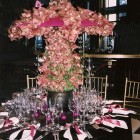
100,84
31,81
132,94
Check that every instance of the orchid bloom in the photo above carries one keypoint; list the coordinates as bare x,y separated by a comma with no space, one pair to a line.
60,24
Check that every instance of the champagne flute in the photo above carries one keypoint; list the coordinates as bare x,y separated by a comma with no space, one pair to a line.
34,109
59,109
72,108
44,110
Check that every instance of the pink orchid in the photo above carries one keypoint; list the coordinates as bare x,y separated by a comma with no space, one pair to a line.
60,24
38,4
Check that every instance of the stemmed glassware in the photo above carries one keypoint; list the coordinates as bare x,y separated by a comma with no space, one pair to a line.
35,111
44,110
24,109
9,107
82,112
54,109
72,107
98,104
59,109
44,107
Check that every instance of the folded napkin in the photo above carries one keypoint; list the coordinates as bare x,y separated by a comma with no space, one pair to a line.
8,122
1,122
25,134
118,111
108,121
68,135
3,113
123,111
116,108
112,101
14,120
108,102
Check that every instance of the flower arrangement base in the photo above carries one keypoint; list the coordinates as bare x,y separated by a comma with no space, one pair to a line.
60,97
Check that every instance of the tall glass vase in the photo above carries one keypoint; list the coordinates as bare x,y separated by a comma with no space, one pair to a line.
60,98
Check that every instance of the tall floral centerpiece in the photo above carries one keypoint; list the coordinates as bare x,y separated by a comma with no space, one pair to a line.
60,24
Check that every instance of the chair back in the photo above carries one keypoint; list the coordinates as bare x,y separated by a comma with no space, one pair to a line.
132,93
31,81
98,83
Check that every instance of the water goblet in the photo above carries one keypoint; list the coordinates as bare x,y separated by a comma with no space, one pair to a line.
72,107
59,109
54,119
34,109
44,110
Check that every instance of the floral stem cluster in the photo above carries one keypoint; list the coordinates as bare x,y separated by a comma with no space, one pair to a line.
60,24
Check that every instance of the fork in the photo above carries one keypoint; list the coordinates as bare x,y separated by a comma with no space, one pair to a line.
56,135
96,126
40,137
88,134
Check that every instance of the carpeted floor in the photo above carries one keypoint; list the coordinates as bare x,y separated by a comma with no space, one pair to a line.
135,121
135,128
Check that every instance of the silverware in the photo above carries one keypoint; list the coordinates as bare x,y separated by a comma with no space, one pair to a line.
96,126
40,137
118,115
88,134
8,129
56,135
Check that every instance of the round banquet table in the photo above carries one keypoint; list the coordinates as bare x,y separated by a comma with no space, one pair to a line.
98,134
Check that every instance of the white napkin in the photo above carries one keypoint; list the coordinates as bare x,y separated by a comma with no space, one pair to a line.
118,111
122,111
112,124
3,113
68,135
14,120
105,110
94,119
1,122
107,102
26,134
121,122
13,135
112,101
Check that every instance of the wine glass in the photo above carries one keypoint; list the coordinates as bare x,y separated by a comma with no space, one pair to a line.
59,109
25,111
34,108
44,110
72,107
44,107
83,109
98,106
54,117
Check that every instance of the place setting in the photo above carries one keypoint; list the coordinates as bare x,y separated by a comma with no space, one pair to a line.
32,117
